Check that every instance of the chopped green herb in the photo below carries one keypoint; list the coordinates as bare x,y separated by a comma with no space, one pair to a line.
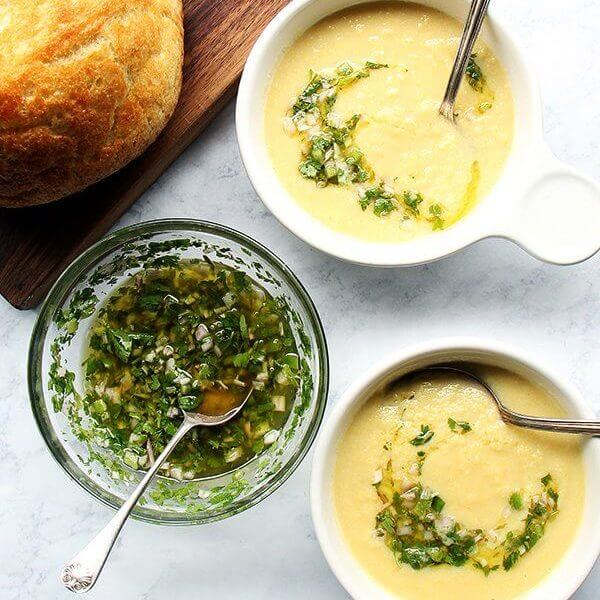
189,402
459,426
420,461
474,74
374,65
435,210
310,168
330,156
484,566
516,501
412,201
423,437
383,200
150,302
416,531
541,511
412,530
193,335
437,504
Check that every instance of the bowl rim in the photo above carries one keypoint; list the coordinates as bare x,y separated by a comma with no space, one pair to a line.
328,533
486,220
111,242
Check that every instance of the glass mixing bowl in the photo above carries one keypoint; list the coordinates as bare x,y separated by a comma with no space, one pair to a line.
55,373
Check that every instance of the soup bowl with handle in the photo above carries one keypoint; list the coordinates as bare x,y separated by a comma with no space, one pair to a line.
538,202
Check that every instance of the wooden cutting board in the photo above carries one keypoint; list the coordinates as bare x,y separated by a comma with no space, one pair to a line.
36,244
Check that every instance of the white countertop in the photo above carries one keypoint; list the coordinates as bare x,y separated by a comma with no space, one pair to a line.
492,289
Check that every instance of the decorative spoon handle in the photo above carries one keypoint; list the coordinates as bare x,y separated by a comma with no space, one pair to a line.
583,426
81,573
558,425
471,31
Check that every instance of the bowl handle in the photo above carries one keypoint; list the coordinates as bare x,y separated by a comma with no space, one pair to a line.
557,218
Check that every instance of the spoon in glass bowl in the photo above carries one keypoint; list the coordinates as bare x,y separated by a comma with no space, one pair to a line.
81,573
472,28
584,426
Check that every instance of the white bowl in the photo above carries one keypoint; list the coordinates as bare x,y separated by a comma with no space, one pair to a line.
579,558
539,203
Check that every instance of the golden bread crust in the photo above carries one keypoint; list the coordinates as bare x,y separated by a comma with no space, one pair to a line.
85,87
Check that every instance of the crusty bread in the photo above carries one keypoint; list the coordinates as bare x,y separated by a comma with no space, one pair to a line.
85,87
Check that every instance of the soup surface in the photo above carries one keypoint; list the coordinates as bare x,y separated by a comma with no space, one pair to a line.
438,498
353,130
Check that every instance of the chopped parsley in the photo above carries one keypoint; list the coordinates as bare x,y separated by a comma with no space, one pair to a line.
478,82
196,335
423,437
437,504
414,527
330,156
382,198
420,460
373,65
516,501
541,510
415,531
435,212
459,426
412,201
474,74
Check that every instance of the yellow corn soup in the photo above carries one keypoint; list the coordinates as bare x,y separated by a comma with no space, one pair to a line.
440,437
364,150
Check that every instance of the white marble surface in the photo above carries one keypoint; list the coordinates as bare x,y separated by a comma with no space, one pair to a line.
492,289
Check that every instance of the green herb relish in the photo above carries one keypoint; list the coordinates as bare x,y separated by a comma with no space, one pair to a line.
199,336
414,526
329,154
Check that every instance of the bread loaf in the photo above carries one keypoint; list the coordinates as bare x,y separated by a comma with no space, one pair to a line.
85,87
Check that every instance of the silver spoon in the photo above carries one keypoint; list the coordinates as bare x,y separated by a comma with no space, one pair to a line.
81,573
470,32
518,419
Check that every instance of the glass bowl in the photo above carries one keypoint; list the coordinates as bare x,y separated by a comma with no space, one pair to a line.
55,374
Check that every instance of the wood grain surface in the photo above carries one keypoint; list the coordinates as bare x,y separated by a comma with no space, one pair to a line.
37,243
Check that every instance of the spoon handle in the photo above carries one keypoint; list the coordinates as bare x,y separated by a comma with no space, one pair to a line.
558,425
81,573
471,31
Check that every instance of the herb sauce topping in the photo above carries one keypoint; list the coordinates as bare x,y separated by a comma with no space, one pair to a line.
329,153
416,529
194,336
